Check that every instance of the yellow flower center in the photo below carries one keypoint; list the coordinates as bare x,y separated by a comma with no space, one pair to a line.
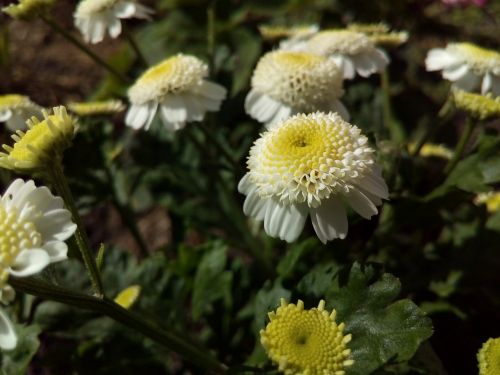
489,357
12,100
480,106
89,7
174,75
16,234
344,42
480,59
306,341
301,80
308,158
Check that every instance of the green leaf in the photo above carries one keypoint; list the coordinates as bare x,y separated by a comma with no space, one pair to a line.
15,362
319,280
211,282
382,329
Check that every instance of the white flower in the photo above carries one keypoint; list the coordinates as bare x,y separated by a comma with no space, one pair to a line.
178,86
299,38
285,83
468,66
33,227
94,17
15,110
8,337
351,50
310,165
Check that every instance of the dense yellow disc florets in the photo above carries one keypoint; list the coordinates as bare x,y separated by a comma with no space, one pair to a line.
16,234
96,108
174,75
28,9
301,80
306,341
481,60
345,42
489,357
307,158
41,144
477,105
89,7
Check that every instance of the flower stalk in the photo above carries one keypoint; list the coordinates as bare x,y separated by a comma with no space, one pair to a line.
83,48
56,177
128,318
464,139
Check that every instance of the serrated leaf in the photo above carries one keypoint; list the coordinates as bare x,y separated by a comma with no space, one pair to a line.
211,282
383,329
15,362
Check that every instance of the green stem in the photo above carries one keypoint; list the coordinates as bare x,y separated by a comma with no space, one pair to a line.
464,139
135,46
58,180
83,48
395,130
128,318
443,116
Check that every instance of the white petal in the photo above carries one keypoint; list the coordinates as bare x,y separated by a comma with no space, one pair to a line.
115,28
174,109
329,220
338,107
365,66
124,9
375,184
137,115
56,250
42,198
17,192
17,122
97,31
212,90
152,108
285,221
255,206
165,117
455,73
439,58
142,11
196,110
282,114
29,262
486,84
8,337
260,106
5,114
361,203
380,59
55,225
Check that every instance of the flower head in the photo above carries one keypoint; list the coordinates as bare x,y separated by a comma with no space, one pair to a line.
468,66
353,52
107,107
43,143
94,17
178,86
285,83
489,357
33,227
16,109
306,341
310,164
491,199
477,105
28,9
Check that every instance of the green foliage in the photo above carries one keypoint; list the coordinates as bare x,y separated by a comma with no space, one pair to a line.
16,361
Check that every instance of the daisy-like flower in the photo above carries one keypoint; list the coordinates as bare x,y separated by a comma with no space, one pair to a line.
178,86
15,110
33,227
491,199
285,83
41,145
352,51
489,357
94,17
468,66
306,341
478,106
309,165
107,107
28,9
